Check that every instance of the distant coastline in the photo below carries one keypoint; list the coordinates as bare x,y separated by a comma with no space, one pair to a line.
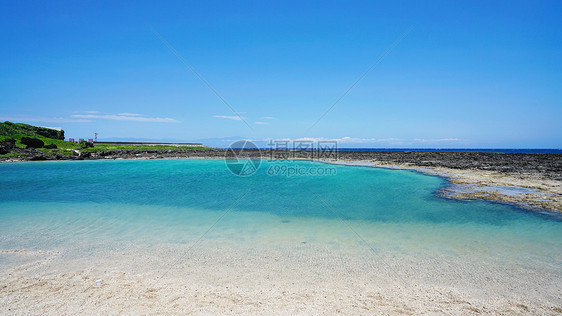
466,150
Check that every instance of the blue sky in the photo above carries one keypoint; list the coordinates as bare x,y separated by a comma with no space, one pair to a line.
469,74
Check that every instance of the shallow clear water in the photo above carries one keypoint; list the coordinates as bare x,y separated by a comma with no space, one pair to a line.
373,213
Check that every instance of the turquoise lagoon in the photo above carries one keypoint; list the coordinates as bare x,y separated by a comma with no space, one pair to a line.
361,220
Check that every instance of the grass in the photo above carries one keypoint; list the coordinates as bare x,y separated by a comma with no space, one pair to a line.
11,129
64,145
60,143
64,148
54,152
10,155
67,149
18,130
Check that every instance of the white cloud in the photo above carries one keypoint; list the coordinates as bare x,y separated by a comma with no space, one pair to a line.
268,118
121,117
55,128
235,118
358,140
422,140
89,112
392,140
91,115
26,118
261,123
348,139
130,114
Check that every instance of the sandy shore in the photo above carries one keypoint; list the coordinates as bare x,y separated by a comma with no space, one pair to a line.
231,281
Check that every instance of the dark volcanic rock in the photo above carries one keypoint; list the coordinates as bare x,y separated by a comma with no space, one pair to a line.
548,166
7,145
50,146
84,155
32,142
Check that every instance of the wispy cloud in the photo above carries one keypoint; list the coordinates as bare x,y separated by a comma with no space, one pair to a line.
126,117
261,123
228,117
89,112
87,116
129,114
423,140
26,118
359,140
348,139
268,118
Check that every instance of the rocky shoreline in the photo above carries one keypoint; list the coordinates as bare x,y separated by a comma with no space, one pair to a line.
532,181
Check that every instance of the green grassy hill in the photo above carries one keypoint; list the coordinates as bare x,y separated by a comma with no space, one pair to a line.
46,140
19,130
50,136
12,129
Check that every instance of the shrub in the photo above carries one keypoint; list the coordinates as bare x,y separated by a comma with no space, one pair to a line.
85,144
32,142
